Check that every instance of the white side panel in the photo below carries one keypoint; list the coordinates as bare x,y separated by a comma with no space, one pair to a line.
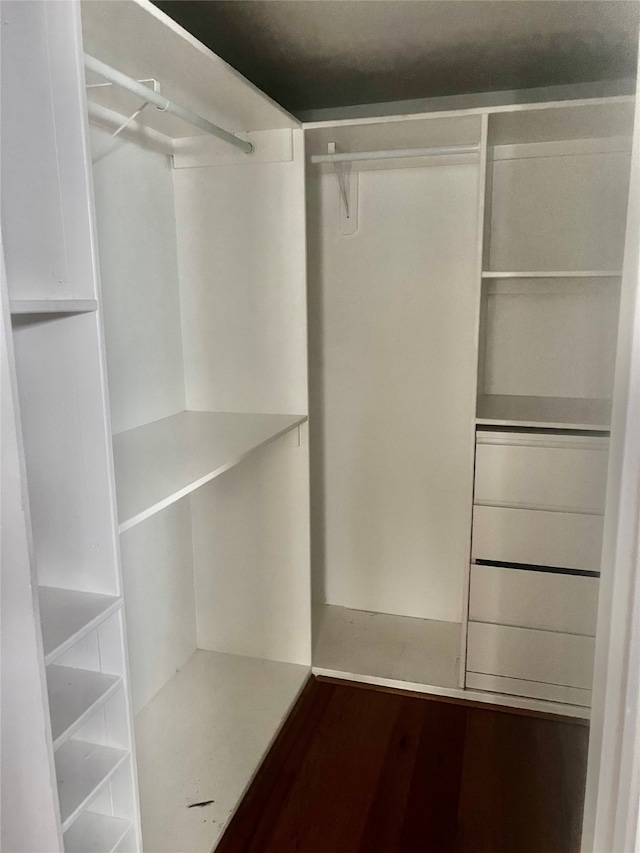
241,254
565,539
45,195
546,656
29,801
559,213
139,273
251,556
157,568
548,602
392,309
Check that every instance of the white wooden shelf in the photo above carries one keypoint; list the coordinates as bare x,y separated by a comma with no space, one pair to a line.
67,615
161,462
201,737
544,412
95,833
553,274
74,695
53,306
82,770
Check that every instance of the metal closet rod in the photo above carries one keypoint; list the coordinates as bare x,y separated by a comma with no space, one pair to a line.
392,154
162,103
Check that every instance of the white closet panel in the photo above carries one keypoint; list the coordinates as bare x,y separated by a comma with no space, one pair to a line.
392,366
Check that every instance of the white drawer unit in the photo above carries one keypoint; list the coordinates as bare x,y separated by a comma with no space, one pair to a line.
548,657
537,537
530,599
530,689
541,471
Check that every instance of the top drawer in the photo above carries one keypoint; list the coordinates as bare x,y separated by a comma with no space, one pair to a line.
536,471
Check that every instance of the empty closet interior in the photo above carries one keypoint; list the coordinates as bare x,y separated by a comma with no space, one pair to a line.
332,398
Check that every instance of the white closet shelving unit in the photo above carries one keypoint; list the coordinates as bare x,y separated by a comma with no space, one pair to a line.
462,338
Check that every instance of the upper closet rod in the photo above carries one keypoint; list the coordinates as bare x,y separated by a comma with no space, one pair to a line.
162,103
391,154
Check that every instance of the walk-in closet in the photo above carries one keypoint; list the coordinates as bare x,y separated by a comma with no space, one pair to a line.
284,398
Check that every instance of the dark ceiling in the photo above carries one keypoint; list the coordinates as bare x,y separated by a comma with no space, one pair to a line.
314,54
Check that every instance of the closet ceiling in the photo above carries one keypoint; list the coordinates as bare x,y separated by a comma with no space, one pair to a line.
314,54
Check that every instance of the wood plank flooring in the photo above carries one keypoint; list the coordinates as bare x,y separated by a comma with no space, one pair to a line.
360,770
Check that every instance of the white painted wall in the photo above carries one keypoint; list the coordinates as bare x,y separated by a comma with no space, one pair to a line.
392,330
139,271
251,555
241,251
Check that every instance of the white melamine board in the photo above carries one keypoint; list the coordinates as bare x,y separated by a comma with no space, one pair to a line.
139,274
161,462
269,146
45,196
67,615
28,797
241,255
559,212
142,42
545,656
74,694
59,371
568,540
202,737
544,412
533,689
53,306
157,571
541,471
392,354
549,338
418,651
81,770
251,556
528,599
552,274
95,833
568,121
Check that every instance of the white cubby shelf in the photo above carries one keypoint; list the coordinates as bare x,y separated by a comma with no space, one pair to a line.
544,412
53,306
552,274
161,462
95,833
67,615
74,695
82,770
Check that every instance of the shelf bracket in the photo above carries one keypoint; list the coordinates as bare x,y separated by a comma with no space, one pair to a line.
348,189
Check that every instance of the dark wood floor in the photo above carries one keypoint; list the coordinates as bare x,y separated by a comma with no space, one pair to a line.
357,770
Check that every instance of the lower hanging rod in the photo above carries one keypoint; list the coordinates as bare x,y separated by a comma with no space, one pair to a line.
441,151
164,104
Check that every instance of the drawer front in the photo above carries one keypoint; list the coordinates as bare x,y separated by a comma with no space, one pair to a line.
549,602
531,689
566,473
522,653
565,539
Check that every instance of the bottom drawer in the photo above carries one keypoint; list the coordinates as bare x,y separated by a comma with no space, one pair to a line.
530,655
530,689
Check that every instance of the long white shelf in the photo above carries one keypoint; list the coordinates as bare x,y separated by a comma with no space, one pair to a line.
95,833
201,738
74,695
82,770
161,462
553,274
67,615
53,306
544,412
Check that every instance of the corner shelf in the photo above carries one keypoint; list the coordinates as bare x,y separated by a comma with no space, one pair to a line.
74,695
67,615
161,462
82,770
544,412
95,833
553,274
53,306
